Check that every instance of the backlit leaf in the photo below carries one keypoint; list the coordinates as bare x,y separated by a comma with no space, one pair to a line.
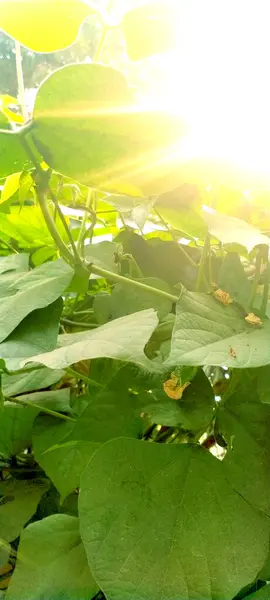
30,20
88,126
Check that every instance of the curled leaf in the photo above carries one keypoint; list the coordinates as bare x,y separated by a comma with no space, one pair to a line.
223,297
173,388
253,319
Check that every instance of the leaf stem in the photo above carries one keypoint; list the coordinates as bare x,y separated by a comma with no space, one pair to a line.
256,279
265,291
19,70
78,323
41,189
201,279
101,43
131,282
81,237
87,380
43,409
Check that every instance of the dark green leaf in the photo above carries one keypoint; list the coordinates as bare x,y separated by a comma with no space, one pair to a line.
159,520
16,424
244,421
194,411
125,301
63,449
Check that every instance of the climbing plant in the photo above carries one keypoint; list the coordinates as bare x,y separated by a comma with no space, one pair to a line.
134,338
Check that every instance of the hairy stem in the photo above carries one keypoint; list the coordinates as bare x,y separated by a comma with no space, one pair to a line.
19,70
132,283
43,409
255,282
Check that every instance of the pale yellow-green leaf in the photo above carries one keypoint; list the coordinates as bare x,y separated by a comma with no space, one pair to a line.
11,186
43,25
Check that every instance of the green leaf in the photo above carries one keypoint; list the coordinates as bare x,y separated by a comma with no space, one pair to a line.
263,384
103,254
232,279
53,547
13,158
11,186
16,428
58,400
29,22
208,333
150,29
42,255
122,339
14,262
88,126
262,594
29,381
229,229
36,289
18,502
63,449
243,421
194,411
36,333
4,553
162,259
125,301
264,574
162,521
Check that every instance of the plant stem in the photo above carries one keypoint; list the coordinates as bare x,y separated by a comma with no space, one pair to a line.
22,371
101,43
47,411
80,242
63,249
265,292
87,380
132,283
66,228
19,70
41,195
201,279
78,323
255,280
90,311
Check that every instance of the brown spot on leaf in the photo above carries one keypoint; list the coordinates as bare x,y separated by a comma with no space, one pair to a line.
223,297
253,320
173,388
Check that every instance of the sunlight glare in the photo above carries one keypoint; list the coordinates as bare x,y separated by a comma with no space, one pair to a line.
217,79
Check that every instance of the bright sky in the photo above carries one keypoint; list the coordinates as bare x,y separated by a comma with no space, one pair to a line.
219,79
